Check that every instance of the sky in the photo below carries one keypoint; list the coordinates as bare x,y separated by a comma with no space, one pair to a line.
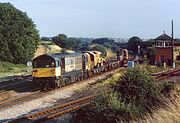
102,18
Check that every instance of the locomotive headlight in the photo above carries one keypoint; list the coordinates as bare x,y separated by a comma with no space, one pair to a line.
34,71
53,72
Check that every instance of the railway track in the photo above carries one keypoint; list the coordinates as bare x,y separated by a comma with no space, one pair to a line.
167,74
36,95
14,79
17,86
58,110
26,81
19,100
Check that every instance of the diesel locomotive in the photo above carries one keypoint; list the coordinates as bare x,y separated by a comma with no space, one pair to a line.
57,70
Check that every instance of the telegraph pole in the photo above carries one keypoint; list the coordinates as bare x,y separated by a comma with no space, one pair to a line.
172,42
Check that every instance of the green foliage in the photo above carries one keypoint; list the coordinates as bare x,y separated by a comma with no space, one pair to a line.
133,44
45,39
137,88
6,67
108,43
18,36
134,94
151,55
150,69
102,41
167,87
69,43
104,109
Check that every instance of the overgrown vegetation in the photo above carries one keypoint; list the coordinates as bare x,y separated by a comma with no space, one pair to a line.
133,95
151,69
9,68
18,35
167,87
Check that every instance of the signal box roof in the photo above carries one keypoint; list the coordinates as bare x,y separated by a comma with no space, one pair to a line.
163,37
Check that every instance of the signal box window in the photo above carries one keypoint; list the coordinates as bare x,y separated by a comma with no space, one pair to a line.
167,44
159,44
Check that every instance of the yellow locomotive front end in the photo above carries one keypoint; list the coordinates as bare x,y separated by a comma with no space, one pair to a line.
46,71
43,72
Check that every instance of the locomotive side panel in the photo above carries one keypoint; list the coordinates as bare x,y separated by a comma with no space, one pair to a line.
73,63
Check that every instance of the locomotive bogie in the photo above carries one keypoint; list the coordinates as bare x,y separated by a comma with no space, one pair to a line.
48,82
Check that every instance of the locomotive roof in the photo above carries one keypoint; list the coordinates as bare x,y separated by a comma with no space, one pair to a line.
62,55
57,56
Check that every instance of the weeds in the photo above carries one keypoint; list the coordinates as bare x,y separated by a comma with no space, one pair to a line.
9,68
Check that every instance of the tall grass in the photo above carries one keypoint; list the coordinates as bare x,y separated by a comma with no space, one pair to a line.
170,114
7,68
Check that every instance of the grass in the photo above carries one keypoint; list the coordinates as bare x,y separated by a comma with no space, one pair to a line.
170,114
9,69
152,69
177,63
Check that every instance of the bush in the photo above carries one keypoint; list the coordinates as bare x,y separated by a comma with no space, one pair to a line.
104,109
134,94
167,87
139,89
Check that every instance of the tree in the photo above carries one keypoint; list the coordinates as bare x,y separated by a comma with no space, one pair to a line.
133,44
68,43
46,39
151,55
100,49
105,42
18,35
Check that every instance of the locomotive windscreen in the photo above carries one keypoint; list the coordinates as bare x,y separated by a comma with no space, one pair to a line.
43,64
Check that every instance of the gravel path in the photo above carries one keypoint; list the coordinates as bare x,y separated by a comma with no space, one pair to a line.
46,101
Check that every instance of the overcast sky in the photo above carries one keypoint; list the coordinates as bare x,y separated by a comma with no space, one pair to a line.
102,18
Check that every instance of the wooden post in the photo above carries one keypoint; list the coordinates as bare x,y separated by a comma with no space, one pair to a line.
172,41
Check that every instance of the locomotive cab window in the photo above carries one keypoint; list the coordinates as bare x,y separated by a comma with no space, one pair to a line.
43,64
57,64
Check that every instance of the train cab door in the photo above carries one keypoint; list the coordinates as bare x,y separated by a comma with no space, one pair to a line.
58,68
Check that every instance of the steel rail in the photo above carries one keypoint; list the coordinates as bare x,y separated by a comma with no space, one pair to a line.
60,109
29,97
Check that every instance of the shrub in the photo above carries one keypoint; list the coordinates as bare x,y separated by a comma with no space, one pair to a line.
139,89
167,87
104,109
134,94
